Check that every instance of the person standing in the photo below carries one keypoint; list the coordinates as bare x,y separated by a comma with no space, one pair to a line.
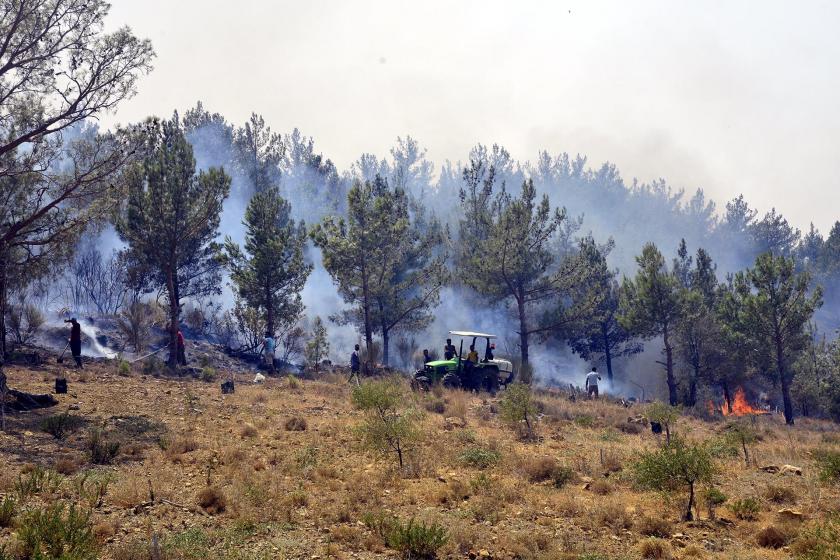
426,357
76,341
592,379
182,349
355,364
268,351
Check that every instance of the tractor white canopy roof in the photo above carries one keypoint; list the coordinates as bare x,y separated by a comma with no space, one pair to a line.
473,334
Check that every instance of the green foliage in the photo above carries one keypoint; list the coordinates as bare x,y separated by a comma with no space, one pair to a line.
208,374
775,304
8,511
170,219
651,306
745,508
479,457
518,250
319,347
92,487
562,475
270,271
819,541
829,464
59,425
102,449
123,368
742,434
384,260
389,426
414,540
665,414
679,464
517,408
57,532
35,482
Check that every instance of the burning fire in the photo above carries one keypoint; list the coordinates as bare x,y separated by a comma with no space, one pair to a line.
740,406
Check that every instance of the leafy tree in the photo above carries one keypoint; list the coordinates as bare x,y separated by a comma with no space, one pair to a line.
509,252
388,427
270,272
666,415
383,266
258,153
679,464
319,347
651,306
776,305
517,407
171,218
602,334
58,68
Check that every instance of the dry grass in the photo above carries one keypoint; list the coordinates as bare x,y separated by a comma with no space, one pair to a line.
292,492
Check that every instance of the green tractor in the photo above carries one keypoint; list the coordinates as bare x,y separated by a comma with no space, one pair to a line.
484,374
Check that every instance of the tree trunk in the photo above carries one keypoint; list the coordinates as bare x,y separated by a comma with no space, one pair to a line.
269,314
669,368
523,328
607,351
386,337
366,312
783,377
692,387
689,515
727,396
173,318
3,303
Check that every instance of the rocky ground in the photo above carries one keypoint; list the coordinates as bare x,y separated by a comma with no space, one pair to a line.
277,470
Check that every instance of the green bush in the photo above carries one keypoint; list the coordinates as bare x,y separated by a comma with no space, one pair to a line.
479,457
92,487
59,425
389,426
101,448
412,539
745,508
713,498
562,475
8,510
820,541
123,368
56,532
664,414
35,482
518,409
829,463
677,465
208,374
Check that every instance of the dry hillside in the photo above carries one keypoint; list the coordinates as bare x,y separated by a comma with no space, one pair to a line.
279,470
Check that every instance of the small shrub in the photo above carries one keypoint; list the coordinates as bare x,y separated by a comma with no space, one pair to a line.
820,541
294,382
654,527
436,405
479,457
713,498
101,449
59,425
92,487
601,487
780,494
123,368
585,421
208,374
539,469
212,500
66,465
57,531
412,539
632,428
829,464
8,510
517,409
248,430
774,536
745,509
655,549
665,414
562,475
388,427
36,481
614,516
296,424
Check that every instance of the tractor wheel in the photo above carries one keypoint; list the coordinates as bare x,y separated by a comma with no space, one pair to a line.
420,383
451,380
491,380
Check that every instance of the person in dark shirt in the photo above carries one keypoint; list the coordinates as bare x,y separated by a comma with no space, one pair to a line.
182,350
355,364
76,341
449,350
426,357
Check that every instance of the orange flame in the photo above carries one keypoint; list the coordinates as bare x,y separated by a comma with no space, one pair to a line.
740,406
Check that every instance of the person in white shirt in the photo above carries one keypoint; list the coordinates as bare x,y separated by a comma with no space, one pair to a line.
592,379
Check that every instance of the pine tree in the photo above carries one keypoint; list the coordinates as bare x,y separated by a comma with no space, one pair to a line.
776,304
171,218
270,272
651,307
319,347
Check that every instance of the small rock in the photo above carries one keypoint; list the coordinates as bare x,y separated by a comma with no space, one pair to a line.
74,407
790,469
791,514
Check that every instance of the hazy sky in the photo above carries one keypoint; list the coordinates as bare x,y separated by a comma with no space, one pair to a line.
729,96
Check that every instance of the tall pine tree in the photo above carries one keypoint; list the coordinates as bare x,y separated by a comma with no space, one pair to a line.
170,219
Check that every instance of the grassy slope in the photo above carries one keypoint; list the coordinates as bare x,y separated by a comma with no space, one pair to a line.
304,493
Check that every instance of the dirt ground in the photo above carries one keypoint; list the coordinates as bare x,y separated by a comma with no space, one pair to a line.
280,471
